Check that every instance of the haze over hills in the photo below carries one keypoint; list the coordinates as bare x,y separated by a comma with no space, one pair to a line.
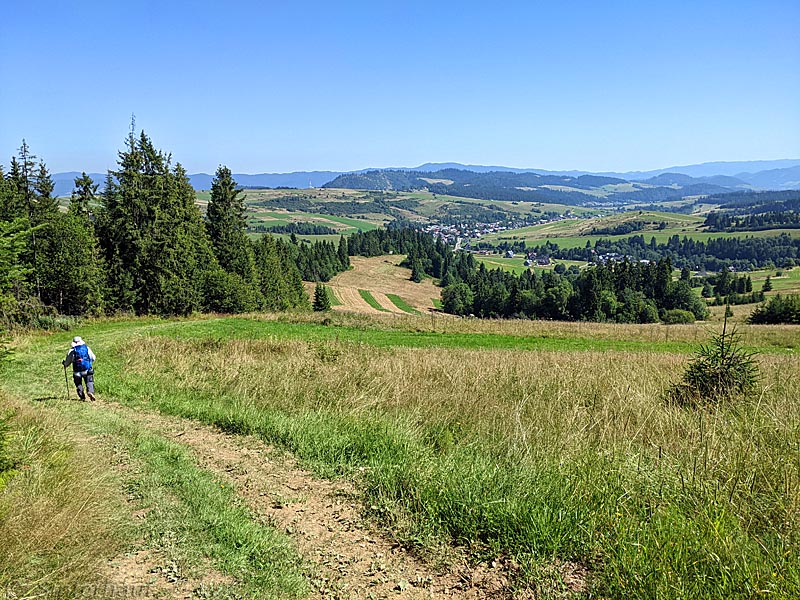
760,175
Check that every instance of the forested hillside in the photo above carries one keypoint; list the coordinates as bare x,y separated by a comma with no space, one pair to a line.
534,187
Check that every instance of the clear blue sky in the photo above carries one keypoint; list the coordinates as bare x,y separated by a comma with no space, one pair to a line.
285,86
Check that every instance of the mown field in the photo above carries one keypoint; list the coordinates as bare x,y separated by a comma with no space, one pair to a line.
379,284
545,445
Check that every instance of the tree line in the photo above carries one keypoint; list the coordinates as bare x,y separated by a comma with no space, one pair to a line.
623,292
142,246
715,254
787,219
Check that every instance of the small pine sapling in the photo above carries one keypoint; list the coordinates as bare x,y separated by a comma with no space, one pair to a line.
720,370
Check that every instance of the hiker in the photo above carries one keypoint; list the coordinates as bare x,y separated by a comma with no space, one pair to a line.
81,358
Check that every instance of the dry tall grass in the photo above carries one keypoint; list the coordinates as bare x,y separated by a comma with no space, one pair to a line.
574,454
60,513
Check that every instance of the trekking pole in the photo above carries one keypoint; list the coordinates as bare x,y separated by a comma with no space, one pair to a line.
66,381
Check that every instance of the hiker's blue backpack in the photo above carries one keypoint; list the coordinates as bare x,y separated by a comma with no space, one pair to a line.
81,359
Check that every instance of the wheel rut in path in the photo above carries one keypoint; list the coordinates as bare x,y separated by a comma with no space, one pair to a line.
345,556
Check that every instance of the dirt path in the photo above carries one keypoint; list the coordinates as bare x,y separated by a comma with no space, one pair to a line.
346,557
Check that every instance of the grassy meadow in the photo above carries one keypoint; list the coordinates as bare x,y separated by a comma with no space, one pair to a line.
574,233
538,442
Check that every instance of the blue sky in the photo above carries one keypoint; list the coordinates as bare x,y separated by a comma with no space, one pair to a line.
276,87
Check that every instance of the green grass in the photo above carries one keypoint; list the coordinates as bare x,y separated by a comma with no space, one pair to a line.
569,453
517,264
437,303
255,222
193,519
513,265
62,509
533,238
370,299
402,304
788,282
196,518
334,301
358,224
445,334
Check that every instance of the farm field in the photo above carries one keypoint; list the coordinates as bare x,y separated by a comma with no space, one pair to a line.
534,237
573,233
672,222
380,276
788,282
428,208
517,264
536,458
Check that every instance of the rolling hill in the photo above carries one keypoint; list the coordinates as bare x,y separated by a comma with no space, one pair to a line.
774,174
583,190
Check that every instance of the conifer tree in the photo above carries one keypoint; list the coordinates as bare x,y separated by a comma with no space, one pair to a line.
70,266
83,196
226,226
152,234
298,298
321,300
273,286
13,272
344,255
417,271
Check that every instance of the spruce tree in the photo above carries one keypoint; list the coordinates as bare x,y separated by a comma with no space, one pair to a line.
767,286
417,272
226,226
70,266
152,234
273,285
321,300
83,196
13,272
344,255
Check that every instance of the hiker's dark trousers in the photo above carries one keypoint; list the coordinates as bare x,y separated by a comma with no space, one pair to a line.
79,377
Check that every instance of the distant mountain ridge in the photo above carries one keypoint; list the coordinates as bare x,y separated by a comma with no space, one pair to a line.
765,174
583,190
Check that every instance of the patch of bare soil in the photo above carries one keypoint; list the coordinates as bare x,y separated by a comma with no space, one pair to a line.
147,574
346,557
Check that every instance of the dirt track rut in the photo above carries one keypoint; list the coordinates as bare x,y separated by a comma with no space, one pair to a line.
346,557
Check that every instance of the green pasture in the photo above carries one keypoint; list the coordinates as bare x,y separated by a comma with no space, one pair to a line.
788,282
334,301
402,304
370,299
533,237
517,264
541,443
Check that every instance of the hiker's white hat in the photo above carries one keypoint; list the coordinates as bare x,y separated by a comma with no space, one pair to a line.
77,341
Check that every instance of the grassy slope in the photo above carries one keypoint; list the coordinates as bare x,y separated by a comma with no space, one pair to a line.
536,236
66,510
61,508
402,304
568,452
